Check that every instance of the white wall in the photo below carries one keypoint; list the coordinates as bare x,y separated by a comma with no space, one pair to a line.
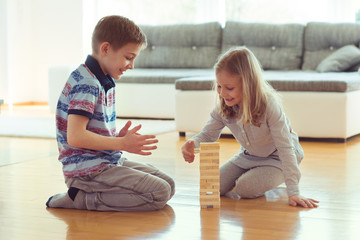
38,34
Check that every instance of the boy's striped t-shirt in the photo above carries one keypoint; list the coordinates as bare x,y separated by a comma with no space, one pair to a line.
88,92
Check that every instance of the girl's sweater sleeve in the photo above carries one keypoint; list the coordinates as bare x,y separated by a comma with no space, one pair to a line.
284,142
211,131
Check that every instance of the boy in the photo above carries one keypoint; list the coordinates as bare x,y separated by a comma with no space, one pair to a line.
97,176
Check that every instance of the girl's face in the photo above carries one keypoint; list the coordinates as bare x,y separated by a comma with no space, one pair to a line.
229,87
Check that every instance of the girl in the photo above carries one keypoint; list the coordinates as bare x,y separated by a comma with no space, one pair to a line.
270,152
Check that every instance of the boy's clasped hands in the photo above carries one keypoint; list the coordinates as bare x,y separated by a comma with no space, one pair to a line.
135,142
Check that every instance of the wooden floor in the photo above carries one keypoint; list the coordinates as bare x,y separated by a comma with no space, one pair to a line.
30,174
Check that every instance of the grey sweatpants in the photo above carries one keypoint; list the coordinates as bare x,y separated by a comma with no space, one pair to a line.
249,183
131,187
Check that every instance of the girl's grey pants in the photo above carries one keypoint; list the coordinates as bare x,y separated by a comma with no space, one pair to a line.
249,183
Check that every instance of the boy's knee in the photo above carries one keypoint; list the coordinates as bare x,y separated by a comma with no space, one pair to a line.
162,195
171,182
163,192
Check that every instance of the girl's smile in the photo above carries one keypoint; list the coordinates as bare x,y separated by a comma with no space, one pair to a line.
229,87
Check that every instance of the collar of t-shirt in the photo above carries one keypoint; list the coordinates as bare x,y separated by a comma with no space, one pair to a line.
105,80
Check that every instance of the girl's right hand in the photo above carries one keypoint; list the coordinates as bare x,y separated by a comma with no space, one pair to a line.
188,151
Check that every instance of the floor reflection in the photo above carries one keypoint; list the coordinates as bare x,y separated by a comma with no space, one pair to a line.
83,224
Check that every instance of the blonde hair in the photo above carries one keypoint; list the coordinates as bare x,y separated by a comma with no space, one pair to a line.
118,31
256,92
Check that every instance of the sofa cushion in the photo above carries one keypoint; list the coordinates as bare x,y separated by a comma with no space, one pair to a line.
277,47
340,60
181,46
322,39
287,81
314,81
205,82
161,75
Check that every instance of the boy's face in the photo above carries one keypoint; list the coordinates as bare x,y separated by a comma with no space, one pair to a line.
115,63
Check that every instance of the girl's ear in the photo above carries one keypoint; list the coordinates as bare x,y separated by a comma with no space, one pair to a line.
104,48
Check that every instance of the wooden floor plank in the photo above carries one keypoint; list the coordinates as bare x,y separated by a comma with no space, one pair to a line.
30,173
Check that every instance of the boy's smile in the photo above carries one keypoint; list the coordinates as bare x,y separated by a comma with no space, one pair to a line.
116,62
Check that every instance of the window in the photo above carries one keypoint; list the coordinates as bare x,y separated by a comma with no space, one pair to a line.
285,11
160,12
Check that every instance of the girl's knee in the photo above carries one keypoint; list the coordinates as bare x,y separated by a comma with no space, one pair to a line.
245,191
225,189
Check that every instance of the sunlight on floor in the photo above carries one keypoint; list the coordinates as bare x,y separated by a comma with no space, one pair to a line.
37,121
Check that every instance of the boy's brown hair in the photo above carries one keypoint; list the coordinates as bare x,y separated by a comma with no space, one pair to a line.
118,31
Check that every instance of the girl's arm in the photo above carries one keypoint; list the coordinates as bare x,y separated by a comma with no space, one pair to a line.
78,136
284,141
210,133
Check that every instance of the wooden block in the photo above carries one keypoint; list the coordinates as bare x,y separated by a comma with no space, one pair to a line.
206,202
210,189
209,186
206,185
209,164
209,159
209,180
209,194
213,188
212,204
209,177
206,167
209,174
209,145
209,198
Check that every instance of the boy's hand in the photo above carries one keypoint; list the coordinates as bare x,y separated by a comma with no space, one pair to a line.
137,143
188,151
297,200
125,129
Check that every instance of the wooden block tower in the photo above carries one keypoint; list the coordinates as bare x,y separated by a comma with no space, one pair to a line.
209,175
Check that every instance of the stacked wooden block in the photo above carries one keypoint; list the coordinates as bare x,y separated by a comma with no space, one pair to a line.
209,175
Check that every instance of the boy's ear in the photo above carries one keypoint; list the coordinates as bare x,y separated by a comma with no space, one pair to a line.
104,48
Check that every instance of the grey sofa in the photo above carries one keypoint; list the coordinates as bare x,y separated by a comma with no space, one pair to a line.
307,64
173,52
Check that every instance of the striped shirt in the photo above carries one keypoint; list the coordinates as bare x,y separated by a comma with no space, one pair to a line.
88,92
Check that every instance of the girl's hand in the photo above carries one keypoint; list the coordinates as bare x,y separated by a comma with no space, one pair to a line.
297,200
188,151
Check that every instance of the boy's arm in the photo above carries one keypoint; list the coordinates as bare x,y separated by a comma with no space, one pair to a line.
78,136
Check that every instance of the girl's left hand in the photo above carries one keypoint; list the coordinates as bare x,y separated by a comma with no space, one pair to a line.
298,200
